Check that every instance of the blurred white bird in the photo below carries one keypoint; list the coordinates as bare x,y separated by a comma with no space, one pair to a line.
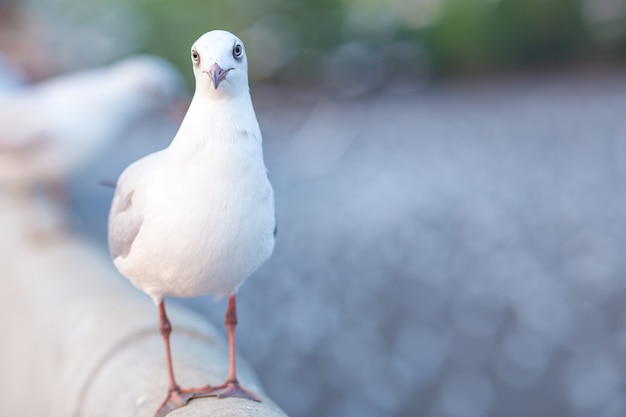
53,128
11,78
198,217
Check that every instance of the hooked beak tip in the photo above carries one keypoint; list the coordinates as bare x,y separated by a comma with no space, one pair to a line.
216,74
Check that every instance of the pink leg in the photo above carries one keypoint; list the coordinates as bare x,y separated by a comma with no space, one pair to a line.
175,396
231,387
59,199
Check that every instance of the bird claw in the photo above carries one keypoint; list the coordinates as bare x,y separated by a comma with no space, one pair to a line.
176,398
227,390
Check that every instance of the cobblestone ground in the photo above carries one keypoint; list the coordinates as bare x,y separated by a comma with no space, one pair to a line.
455,253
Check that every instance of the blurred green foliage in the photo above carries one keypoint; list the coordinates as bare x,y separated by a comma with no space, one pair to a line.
509,33
463,35
179,22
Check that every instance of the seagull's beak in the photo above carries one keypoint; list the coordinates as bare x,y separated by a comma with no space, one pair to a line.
217,75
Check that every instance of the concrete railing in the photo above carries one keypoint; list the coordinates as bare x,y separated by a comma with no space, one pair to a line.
78,341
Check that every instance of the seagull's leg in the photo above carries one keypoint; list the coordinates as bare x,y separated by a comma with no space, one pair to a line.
175,396
59,196
35,222
231,387
166,330
25,201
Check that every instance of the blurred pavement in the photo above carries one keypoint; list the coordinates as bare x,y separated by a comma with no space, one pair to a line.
456,253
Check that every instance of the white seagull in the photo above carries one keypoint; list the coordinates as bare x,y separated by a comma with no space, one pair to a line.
11,78
198,217
49,129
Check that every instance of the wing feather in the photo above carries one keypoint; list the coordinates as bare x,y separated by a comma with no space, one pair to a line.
126,217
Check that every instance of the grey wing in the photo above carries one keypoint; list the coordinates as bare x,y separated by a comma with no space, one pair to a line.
126,217
124,224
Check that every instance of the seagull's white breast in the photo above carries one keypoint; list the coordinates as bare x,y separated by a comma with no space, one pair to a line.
208,221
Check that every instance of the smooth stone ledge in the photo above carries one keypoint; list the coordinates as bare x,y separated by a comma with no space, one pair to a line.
80,341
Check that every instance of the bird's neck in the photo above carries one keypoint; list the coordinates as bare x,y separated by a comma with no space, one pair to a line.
209,121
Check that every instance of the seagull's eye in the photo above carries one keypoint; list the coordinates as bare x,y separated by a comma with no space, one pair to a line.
195,56
238,51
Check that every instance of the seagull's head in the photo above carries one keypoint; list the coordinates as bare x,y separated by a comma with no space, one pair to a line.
220,64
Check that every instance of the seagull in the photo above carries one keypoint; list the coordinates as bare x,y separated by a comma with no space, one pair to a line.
198,217
11,78
50,129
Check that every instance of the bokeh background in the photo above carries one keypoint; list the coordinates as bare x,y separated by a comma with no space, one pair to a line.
449,177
